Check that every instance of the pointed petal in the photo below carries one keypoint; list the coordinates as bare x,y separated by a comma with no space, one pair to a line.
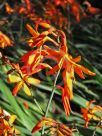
26,56
40,67
66,103
43,122
30,42
28,5
4,40
31,59
77,59
17,132
45,25
37,127
26,90
59,133
87,71
33,81
26,69
12,119
31,30
63,48
17,88
53,70
44,65
38,42
68,82
65,130
51,40
79,72
65,100
52,53
13,78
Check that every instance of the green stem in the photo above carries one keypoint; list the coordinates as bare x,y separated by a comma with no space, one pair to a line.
94,132
51,97
37,104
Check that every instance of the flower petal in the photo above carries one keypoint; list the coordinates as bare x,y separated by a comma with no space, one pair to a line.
54,54
12,119
31,30
17,88
45,25
77,59
66,103
68,82
65,100
53,70
33,81
13,78
87,71
79,72
26,90
37,127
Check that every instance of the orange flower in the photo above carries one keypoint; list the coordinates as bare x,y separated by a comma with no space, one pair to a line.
22,80
42,23
28,5
54,15
54,126
90,111
65,99
91,9
6,125
62,3
39,39
4,40
26,8
9,10
21,10
76,10
69,66
33,62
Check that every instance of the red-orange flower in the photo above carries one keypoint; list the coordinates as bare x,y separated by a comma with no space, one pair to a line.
33,62
60,2
4,40
26,8
9,10
42,23
28,5
76,9
54,127
54,15
90,9
38,39
89,113
6,125
69,66
23,80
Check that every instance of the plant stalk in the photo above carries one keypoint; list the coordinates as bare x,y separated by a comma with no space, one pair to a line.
50,100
